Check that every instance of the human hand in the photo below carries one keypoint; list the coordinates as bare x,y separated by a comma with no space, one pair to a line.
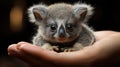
108,42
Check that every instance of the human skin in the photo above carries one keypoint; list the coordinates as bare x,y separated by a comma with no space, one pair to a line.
108,42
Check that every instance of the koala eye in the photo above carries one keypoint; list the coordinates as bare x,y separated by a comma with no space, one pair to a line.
53,27
69,27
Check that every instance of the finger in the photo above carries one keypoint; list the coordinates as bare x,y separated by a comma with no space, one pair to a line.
38,52
12,50
35,50
31,60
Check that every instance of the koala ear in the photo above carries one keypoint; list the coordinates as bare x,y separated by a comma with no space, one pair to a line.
82,11
37,13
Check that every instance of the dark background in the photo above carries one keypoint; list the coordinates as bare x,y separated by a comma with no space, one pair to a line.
106,17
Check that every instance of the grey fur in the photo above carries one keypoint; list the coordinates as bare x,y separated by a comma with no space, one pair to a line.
69,18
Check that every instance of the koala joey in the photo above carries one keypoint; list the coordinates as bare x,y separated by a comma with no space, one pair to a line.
62,27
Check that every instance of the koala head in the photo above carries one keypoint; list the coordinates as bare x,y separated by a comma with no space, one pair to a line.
60,22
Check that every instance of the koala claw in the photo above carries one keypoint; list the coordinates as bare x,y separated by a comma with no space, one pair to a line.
55,48
69,50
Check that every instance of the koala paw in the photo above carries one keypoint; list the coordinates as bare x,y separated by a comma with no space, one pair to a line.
55,48
50,47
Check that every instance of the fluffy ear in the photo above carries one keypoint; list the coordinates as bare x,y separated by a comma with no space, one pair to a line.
82,11
37,13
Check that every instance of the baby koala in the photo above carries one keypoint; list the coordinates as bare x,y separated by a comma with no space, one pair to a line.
61,26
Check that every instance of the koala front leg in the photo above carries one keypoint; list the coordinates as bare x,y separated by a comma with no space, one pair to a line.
76,46
50,47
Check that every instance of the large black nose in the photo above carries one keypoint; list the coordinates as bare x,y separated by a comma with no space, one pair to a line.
61,32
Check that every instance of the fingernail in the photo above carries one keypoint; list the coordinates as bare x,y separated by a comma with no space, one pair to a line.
10,48
12,53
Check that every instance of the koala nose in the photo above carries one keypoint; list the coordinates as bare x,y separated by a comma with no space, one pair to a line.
61,32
